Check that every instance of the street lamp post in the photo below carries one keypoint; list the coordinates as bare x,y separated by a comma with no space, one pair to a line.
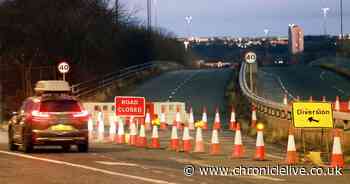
188,21
341,19
325,12
266,31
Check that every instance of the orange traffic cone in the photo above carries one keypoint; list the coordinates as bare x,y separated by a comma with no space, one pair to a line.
155,138
141,139
285,99
254,118
238,150
217,124
178,119
133,134
199,146
215,143
186,140
174,140
205,119
292,157
260,146
337,159
191,120
337,104
121,135
148,121
233,120
324,99
163,124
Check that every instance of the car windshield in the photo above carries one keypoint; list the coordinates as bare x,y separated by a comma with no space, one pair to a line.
60,106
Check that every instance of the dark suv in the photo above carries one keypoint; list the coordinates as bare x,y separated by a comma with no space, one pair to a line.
49,119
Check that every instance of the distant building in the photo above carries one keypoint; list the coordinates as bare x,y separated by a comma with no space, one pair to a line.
295,39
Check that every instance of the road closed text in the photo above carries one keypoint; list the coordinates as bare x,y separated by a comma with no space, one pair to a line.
126,106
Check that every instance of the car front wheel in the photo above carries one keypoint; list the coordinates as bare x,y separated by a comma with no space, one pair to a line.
27,145
11,143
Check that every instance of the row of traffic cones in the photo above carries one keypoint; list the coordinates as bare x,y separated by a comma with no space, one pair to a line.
186,144
336,105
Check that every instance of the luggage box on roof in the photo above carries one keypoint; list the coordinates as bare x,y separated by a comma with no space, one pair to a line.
52,86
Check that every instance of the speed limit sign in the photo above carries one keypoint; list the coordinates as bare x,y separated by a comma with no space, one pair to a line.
250,57
63,67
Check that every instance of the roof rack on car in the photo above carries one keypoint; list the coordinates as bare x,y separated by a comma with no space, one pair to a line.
53,86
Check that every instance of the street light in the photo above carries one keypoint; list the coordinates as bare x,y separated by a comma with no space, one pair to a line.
155,2
341,19
188,21
325,12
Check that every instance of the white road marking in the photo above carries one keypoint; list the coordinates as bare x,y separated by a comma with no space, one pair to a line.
321,75
88,168
338,89
117,163
274,156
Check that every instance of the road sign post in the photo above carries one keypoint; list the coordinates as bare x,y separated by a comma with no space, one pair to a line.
312,115
63,68
250,58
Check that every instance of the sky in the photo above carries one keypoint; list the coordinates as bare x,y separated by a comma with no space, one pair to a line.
243,17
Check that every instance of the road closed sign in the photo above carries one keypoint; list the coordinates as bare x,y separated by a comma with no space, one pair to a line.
312,115
127,106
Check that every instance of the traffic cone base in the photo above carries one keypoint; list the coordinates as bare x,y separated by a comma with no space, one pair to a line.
215,149
337,160
199,147
141,142
120,139
232,126
187,145
292,157
155,144
174,144
132,140
238,151
260,153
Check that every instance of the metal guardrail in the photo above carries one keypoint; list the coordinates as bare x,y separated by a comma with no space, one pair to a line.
274,108
88,87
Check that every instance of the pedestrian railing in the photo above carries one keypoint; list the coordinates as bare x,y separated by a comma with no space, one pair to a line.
88,87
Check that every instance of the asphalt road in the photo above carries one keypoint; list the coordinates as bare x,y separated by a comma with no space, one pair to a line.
111,163
198,88
305,81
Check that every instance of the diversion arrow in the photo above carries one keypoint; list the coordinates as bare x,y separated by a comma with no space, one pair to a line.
311,119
